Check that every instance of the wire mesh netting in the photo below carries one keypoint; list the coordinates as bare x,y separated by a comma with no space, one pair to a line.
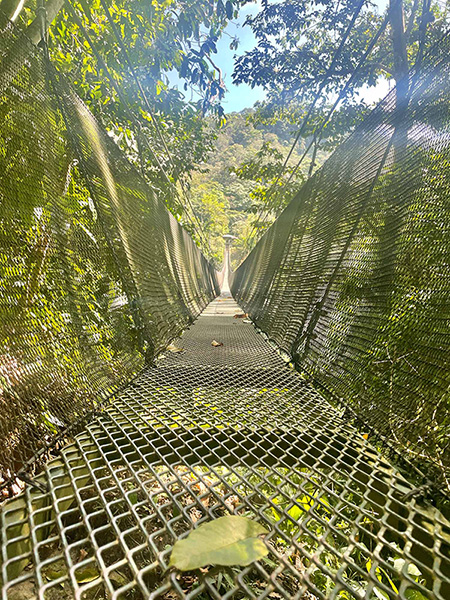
352,280
97,278
212,431
96,275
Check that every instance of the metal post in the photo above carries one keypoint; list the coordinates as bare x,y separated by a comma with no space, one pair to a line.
225,287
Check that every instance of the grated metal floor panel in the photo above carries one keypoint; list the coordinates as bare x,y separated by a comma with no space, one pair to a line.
212,431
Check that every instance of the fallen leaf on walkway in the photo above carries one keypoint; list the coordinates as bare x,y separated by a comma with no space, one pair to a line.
240,316
174,349
230,540
87,575
52,575
216,344
83,554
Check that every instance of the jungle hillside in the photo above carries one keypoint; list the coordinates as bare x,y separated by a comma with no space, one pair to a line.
228,189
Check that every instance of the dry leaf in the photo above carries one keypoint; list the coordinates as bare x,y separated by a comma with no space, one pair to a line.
216,344
83,554
174,349
240,316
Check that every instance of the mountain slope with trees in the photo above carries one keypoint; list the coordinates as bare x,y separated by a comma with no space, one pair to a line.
227,190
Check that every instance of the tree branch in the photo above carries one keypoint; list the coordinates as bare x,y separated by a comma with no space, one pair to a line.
410,25
33,31
383,68
218,69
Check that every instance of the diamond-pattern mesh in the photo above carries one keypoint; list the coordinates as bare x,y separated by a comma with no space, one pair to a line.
203,435
96,276
353,280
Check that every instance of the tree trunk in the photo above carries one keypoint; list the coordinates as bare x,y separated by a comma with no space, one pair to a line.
33,31
399,50
390,233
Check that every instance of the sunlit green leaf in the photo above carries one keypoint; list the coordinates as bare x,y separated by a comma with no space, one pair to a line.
229,540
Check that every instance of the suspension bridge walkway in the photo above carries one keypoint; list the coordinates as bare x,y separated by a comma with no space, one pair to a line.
210,431
138,402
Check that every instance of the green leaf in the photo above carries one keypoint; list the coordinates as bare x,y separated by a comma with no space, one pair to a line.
52,575
87,575
414,595
225,541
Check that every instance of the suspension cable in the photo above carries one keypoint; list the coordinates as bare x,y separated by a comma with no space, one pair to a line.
320,89
130,288
192,217
135,77
311,108
146,101
111,79
424,21
416,68
344,90
341,95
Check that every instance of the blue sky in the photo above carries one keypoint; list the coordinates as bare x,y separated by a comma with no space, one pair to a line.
243,96
238,96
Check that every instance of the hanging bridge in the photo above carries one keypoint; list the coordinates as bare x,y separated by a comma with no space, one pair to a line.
323,414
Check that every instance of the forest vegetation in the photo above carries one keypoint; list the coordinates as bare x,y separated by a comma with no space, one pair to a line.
100,284
118,56
227,190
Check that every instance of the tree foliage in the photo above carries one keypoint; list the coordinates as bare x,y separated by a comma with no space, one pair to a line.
105,48
297,39
64,304
239,181
303,60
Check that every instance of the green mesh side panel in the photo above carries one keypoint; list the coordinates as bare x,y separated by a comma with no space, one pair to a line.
353,280
95,277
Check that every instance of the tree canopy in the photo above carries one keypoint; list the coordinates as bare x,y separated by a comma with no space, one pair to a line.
298,41
314,57
120,56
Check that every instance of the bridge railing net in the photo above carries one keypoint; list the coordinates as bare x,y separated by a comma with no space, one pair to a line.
352,280
95,277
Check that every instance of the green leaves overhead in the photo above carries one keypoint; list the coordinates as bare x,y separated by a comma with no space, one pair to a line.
297,39
104,48
227,541
298,54
160,37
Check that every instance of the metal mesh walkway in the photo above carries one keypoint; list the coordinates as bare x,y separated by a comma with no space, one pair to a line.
217,430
